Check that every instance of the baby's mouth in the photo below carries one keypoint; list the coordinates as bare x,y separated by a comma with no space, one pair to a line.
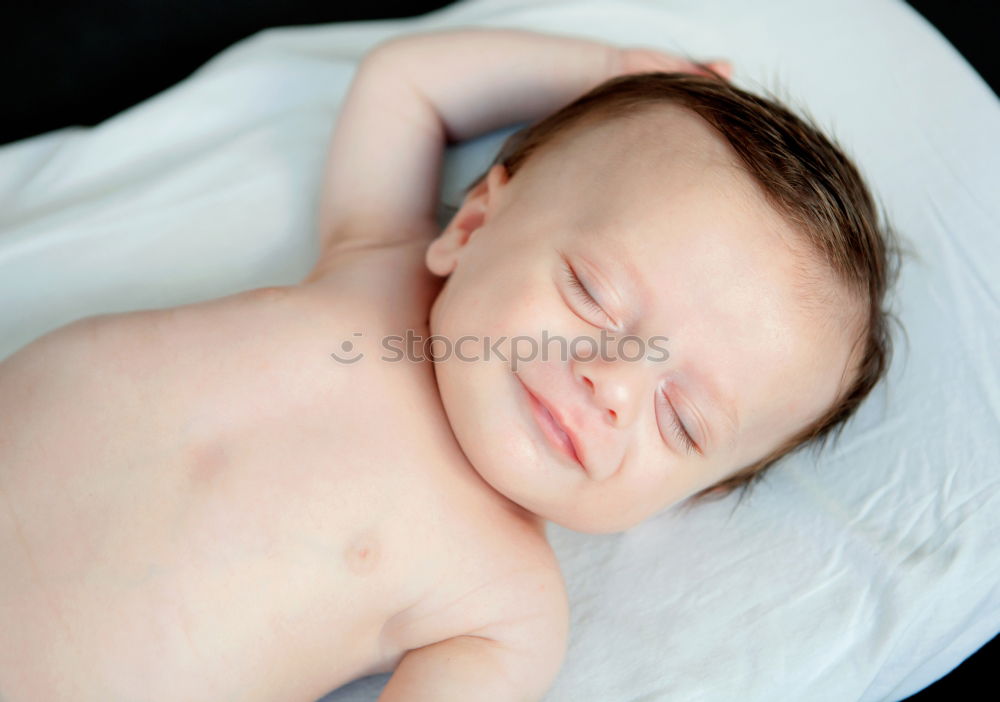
563,436
553,431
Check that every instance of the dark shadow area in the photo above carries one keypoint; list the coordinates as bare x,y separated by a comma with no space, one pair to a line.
80,63
971,680
971,27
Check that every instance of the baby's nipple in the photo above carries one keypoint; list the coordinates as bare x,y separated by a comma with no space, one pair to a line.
362,553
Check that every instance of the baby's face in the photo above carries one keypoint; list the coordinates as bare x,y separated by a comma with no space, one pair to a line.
669,239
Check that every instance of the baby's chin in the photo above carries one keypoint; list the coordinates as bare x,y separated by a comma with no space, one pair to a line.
502,459
492,430
514,472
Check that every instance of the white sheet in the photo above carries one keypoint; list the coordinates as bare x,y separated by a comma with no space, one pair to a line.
864,574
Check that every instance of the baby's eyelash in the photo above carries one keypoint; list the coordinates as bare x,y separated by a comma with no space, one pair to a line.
677,427
681,433
580,290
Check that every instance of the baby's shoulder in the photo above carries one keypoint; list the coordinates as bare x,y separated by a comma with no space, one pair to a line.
500,588
525,606
514,592
496,577
535,617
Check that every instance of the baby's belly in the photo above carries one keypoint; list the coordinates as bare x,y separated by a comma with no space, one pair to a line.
155,550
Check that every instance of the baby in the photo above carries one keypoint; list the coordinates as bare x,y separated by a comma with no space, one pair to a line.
651,296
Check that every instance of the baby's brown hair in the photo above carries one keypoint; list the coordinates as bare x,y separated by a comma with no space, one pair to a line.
805,177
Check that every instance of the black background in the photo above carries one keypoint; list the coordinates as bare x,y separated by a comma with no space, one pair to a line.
78,64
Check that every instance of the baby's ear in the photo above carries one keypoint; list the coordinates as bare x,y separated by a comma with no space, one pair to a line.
442,254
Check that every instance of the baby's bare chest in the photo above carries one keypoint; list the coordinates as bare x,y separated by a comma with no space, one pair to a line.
231,492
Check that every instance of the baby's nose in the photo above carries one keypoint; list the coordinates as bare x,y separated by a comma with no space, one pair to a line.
613,385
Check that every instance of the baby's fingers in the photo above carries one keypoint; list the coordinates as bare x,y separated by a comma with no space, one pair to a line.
722,67
643,60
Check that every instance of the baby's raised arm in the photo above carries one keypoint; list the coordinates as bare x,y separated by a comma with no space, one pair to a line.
413,94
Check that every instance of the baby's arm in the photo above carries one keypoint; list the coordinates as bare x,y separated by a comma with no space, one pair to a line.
467,668
413,94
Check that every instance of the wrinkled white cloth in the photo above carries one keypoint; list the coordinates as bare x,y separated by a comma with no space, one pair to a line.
862,573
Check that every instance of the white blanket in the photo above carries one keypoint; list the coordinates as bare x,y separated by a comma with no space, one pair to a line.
864,573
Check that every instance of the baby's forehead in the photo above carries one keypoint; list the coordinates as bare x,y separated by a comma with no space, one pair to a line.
636,161
646,135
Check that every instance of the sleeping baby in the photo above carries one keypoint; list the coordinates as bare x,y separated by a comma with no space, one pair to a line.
657,290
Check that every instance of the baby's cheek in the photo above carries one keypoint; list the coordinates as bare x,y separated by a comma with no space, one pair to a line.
509,296
460,309
531,316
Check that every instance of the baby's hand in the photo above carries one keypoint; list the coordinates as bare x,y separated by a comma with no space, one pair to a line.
643,60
